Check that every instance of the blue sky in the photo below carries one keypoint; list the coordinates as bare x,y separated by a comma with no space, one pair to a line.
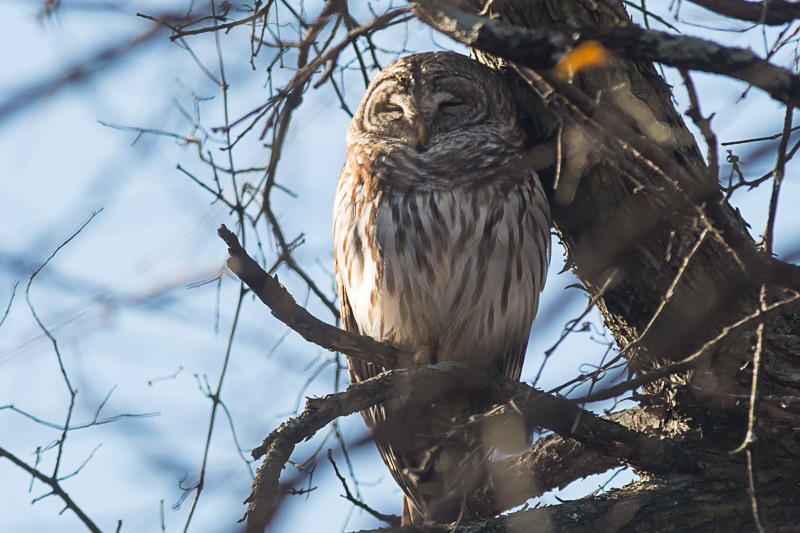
123,300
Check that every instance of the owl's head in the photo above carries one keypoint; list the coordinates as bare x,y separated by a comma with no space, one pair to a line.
434,99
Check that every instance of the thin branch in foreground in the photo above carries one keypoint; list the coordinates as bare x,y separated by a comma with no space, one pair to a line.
55,488
728,333
392,520
778,173
688,189
53,480
704,125
10,301
770,12
750,443
332,56
668,295
65,376
216,400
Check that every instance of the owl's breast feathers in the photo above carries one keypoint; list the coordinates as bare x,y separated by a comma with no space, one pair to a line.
441,243
448,255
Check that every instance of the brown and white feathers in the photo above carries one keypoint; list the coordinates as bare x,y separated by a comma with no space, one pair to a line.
441,246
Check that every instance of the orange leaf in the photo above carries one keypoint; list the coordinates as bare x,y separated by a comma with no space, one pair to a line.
586,55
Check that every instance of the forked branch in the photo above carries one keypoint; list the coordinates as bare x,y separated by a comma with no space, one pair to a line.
419,387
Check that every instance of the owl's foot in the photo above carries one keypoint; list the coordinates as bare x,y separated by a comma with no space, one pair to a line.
424,355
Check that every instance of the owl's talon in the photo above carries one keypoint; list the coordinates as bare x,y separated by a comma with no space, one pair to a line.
423,356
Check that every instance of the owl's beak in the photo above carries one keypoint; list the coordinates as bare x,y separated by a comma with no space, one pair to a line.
423,136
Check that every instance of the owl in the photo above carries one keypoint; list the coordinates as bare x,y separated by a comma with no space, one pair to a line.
441,246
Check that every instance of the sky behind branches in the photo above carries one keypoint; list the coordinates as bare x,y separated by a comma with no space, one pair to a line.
125,299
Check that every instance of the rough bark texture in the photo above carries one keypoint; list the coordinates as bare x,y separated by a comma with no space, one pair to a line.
679,282
613,226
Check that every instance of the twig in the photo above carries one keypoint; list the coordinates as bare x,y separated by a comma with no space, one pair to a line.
771,12
392,520
55,487
687,190
285,309
758,139
778,173
573,323
704,125
727,333
668,295
179,31
750,443
215,398
10,301
373,25
65,376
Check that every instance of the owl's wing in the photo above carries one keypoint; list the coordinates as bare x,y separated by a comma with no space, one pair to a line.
404,445
374,417
396,458
359,370
539,257
406,441
514,356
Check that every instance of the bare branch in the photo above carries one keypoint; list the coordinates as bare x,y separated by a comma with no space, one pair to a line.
423,386
727,334
55,487
552,462
10,301
365,29
216,401
620,510
688,191
770,12
703,124
750,444
392,520
64,374
285,309
778,174
543,47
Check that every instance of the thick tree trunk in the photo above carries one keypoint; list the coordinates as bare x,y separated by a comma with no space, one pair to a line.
706,322
629,228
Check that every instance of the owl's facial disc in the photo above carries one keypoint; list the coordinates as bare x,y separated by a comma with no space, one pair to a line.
423,112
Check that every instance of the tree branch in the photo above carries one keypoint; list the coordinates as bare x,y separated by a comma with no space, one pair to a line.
285,309
541,48
770,12
552,462
657,502
55,487
420,387
688,188
728,333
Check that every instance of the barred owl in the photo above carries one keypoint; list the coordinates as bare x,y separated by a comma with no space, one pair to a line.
441,236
